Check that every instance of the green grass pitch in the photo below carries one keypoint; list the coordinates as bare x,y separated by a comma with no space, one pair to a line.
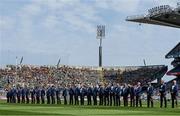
62,110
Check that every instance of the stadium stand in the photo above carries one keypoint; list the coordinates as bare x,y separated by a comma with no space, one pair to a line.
131,75
175,53
36,75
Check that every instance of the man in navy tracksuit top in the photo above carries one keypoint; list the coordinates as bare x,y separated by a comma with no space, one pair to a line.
101,94
89,94
38,94
43,92
95,92
53,93
23,94
48,95
118,95
76,95
8,95
32,92
174,93
64,94
82,94
138,92
114,94
150,91
58,98
125,95
132,95
111,94
27,92
162,91
13,93
106,94
18,94
71,94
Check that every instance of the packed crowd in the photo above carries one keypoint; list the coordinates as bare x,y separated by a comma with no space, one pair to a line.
131,75
36,75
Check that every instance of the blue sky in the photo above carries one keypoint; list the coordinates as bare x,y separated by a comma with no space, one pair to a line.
42,31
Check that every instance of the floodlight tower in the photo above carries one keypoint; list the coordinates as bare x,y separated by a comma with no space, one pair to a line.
100,36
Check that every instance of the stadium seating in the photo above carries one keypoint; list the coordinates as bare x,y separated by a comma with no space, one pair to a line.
36,75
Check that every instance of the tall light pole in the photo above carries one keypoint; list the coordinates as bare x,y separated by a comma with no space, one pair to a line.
100,36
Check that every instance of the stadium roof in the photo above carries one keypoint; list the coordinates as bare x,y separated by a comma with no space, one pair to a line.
175,71
161,15
175,52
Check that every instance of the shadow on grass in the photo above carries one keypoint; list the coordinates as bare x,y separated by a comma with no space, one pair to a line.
11,112
144,108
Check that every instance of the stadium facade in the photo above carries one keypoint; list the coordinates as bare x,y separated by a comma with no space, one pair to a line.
175,54
164,15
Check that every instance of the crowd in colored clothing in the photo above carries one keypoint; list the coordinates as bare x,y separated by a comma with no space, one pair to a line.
36,75
97,94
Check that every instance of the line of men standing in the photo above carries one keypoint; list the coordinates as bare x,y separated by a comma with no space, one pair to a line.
108,95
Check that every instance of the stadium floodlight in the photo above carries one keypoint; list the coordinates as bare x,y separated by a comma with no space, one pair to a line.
100,31
100,36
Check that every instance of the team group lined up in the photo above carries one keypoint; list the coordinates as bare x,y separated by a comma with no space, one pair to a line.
107,95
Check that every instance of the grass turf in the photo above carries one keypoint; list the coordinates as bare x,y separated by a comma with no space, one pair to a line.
62,110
